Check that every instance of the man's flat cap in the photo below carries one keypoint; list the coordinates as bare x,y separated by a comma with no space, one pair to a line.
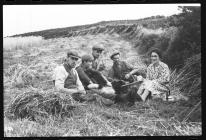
73,54
98,47
87,57
115,53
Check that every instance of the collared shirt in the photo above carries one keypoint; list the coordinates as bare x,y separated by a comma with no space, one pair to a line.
60,75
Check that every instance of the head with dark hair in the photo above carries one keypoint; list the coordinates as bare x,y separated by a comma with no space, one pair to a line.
87,61
155,55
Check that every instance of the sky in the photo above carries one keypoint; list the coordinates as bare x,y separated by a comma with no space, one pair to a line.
19,19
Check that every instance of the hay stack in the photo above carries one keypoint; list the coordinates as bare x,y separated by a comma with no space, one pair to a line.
13,70
34,105
25,77
21,75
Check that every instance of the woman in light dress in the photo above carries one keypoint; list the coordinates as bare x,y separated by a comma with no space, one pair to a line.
157,77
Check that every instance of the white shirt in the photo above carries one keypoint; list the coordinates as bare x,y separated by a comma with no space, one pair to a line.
60,74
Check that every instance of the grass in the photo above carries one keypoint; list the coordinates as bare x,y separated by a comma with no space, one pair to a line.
21,42
32,73
140,120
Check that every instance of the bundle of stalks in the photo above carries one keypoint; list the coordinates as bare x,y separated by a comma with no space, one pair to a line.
25,77
20,75
35,104
188,79
12,70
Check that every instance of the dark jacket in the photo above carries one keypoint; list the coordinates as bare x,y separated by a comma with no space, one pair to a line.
118,71
90,75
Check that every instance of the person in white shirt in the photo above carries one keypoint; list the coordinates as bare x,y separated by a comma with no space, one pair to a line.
66,78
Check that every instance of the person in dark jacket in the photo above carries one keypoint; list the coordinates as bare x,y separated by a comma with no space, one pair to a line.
93,80
120,74
121,70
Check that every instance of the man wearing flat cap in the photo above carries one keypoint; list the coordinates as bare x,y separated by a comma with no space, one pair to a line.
66,78
121,74
121,70
93,80
98,63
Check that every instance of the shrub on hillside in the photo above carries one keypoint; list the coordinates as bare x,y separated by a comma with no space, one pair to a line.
188,41
180,41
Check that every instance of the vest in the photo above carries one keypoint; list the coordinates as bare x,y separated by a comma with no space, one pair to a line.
70,81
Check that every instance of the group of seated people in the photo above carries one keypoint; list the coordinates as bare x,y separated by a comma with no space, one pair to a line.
123,82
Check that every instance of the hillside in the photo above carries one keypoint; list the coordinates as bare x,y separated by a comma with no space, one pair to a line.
95,28
158,30
143,34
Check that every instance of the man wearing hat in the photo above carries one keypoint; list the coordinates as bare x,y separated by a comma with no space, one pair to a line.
66,78
93,80
98,63
120,69
121,74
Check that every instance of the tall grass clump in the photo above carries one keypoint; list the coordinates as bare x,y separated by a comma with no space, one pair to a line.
20,75
185,87
34,104
10,43
188,78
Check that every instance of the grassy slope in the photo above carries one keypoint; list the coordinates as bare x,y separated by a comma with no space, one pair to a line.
153,118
